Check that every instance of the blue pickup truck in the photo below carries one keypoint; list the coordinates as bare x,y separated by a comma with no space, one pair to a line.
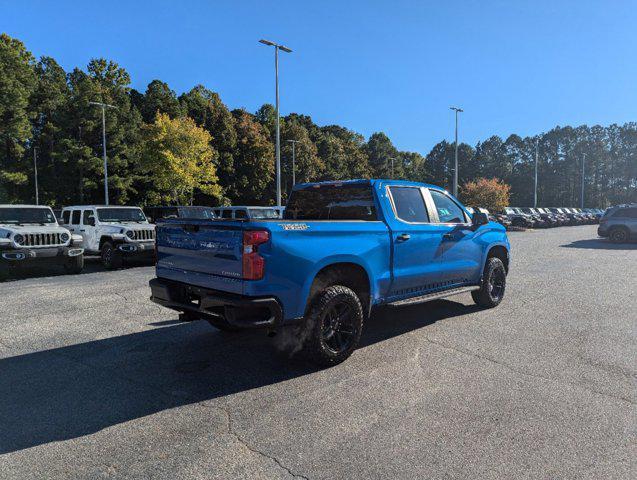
341,249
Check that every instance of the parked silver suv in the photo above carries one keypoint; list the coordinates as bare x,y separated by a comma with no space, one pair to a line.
619,223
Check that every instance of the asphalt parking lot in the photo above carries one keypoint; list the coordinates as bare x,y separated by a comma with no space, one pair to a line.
98,382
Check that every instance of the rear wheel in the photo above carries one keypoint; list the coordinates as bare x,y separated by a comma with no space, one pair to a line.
74,265
493,284
111,258
335,320
618,235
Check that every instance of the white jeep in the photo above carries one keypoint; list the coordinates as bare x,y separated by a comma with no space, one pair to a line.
30,233
113,232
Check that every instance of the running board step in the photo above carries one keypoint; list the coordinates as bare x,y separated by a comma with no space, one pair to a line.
433,296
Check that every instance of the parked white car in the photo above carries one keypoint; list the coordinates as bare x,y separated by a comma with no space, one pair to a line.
113,232
30,233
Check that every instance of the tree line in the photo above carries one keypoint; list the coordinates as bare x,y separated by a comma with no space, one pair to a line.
165,148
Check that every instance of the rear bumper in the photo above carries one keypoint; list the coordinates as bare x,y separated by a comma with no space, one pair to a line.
238,310
21,255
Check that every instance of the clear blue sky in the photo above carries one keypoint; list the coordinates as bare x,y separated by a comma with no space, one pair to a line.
393,66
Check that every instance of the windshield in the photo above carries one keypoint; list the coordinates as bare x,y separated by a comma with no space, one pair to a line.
120,215
200,213
263,213
26,215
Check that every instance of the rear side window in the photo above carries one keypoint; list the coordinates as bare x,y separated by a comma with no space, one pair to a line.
76,217
625,213
409,204
332,202
448,210
226,214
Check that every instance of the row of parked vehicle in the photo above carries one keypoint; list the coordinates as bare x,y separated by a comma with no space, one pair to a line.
37,234
528,217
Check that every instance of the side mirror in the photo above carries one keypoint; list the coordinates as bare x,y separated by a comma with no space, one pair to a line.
479,219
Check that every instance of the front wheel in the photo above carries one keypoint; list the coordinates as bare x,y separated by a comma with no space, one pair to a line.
618,235
335,323
493,284
74,265
111,258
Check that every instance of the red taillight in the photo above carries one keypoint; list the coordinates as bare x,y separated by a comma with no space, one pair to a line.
253,263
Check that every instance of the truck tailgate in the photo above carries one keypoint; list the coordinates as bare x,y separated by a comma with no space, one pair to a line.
201,252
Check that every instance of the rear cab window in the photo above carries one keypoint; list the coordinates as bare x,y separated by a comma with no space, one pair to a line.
339,201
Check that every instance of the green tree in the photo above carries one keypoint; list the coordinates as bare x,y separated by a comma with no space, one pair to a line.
177,157
158,98
381,152
17,80
253,179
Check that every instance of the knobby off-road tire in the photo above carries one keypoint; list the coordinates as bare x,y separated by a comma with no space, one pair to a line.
74,265
335,323
493,284
111,258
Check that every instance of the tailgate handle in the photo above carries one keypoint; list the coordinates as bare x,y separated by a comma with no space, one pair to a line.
191,228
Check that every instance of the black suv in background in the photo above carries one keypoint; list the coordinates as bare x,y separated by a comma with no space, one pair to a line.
517,218
619,223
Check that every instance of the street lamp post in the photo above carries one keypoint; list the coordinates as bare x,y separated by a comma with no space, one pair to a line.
455,167
277,47
104,106
583,177
35,171
537,141
293,142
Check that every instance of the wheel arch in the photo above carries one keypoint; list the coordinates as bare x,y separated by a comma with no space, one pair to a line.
346,273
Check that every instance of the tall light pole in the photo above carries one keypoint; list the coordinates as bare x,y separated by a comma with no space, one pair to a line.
537,141
277,47
583,162
455,167
293,142
104,107
35,171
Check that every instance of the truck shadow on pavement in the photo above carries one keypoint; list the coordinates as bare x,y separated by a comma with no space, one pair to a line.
603,244
68,392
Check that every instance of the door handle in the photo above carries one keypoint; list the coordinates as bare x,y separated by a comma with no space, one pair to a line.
448,236
82,230
403,237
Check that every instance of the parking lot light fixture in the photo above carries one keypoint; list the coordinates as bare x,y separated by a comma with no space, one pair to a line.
455,164
293,142
277,47
104,107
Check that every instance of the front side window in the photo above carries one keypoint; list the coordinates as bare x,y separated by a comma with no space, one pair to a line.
88,214
26,215
66,216
76,217
226,213
448,210
409,204
121,215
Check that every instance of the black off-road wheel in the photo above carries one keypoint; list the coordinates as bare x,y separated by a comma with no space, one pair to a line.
111,258
618,235
74,265
335,323
493,284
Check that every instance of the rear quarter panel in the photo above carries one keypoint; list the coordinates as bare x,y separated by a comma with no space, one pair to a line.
297,251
